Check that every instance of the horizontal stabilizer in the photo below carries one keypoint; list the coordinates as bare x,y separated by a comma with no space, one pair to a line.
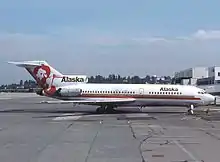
28,63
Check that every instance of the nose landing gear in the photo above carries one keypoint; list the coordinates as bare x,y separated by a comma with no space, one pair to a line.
190,110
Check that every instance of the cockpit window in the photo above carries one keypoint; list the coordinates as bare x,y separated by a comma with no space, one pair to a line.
202,92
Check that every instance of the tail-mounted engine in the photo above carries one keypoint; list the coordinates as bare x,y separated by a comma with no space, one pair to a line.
67,92
62,92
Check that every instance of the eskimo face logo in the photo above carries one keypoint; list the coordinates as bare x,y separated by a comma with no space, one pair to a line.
42,73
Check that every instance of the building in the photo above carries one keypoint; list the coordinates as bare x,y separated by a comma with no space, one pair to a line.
191,75
207,78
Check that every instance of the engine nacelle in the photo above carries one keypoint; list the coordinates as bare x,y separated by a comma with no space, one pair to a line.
67,92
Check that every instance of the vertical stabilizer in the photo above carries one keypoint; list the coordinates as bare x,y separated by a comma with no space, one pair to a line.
41,71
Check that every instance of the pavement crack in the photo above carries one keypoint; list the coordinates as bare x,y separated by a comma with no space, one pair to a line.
53,139
140,142
93,141
210,134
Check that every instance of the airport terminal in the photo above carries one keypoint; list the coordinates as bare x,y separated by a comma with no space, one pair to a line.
207,78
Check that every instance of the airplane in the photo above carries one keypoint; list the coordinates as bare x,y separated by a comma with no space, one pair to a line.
110,96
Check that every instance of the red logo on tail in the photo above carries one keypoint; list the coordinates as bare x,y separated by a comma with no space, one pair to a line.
42,73
45,79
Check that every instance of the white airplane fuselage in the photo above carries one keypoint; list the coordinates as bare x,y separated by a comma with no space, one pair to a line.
144,94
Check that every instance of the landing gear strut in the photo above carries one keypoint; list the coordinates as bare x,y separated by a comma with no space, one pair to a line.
141,108
105,109
207,111
190,110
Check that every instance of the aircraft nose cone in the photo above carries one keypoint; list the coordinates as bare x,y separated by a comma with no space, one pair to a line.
211,99
215,100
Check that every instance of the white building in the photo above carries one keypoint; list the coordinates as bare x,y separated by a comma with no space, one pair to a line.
207,78
190,76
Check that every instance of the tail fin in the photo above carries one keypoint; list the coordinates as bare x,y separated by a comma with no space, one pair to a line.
41,71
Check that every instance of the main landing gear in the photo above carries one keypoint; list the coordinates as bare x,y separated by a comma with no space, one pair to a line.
105,109
141,108
190,110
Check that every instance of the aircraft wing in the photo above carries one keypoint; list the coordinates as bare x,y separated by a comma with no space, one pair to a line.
94,101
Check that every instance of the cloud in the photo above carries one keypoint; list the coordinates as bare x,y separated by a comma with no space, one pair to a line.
206,35
94,52
200,35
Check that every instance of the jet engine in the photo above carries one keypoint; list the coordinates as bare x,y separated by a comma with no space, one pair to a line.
67,92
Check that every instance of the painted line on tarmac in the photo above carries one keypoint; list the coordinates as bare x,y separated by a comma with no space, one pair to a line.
5,98
186,151
214,109
67,117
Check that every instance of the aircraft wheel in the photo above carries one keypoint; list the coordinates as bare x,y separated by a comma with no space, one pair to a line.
110,110
100,110
190,112
207,111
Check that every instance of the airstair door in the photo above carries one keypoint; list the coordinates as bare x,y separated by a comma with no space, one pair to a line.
141,90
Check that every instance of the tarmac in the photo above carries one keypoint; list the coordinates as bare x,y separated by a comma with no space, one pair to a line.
31,131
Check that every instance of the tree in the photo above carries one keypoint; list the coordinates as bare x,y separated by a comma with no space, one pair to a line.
21,82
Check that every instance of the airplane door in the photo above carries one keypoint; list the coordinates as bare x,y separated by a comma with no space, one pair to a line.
141,91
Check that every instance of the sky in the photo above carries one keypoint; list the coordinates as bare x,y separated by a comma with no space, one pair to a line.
123,37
